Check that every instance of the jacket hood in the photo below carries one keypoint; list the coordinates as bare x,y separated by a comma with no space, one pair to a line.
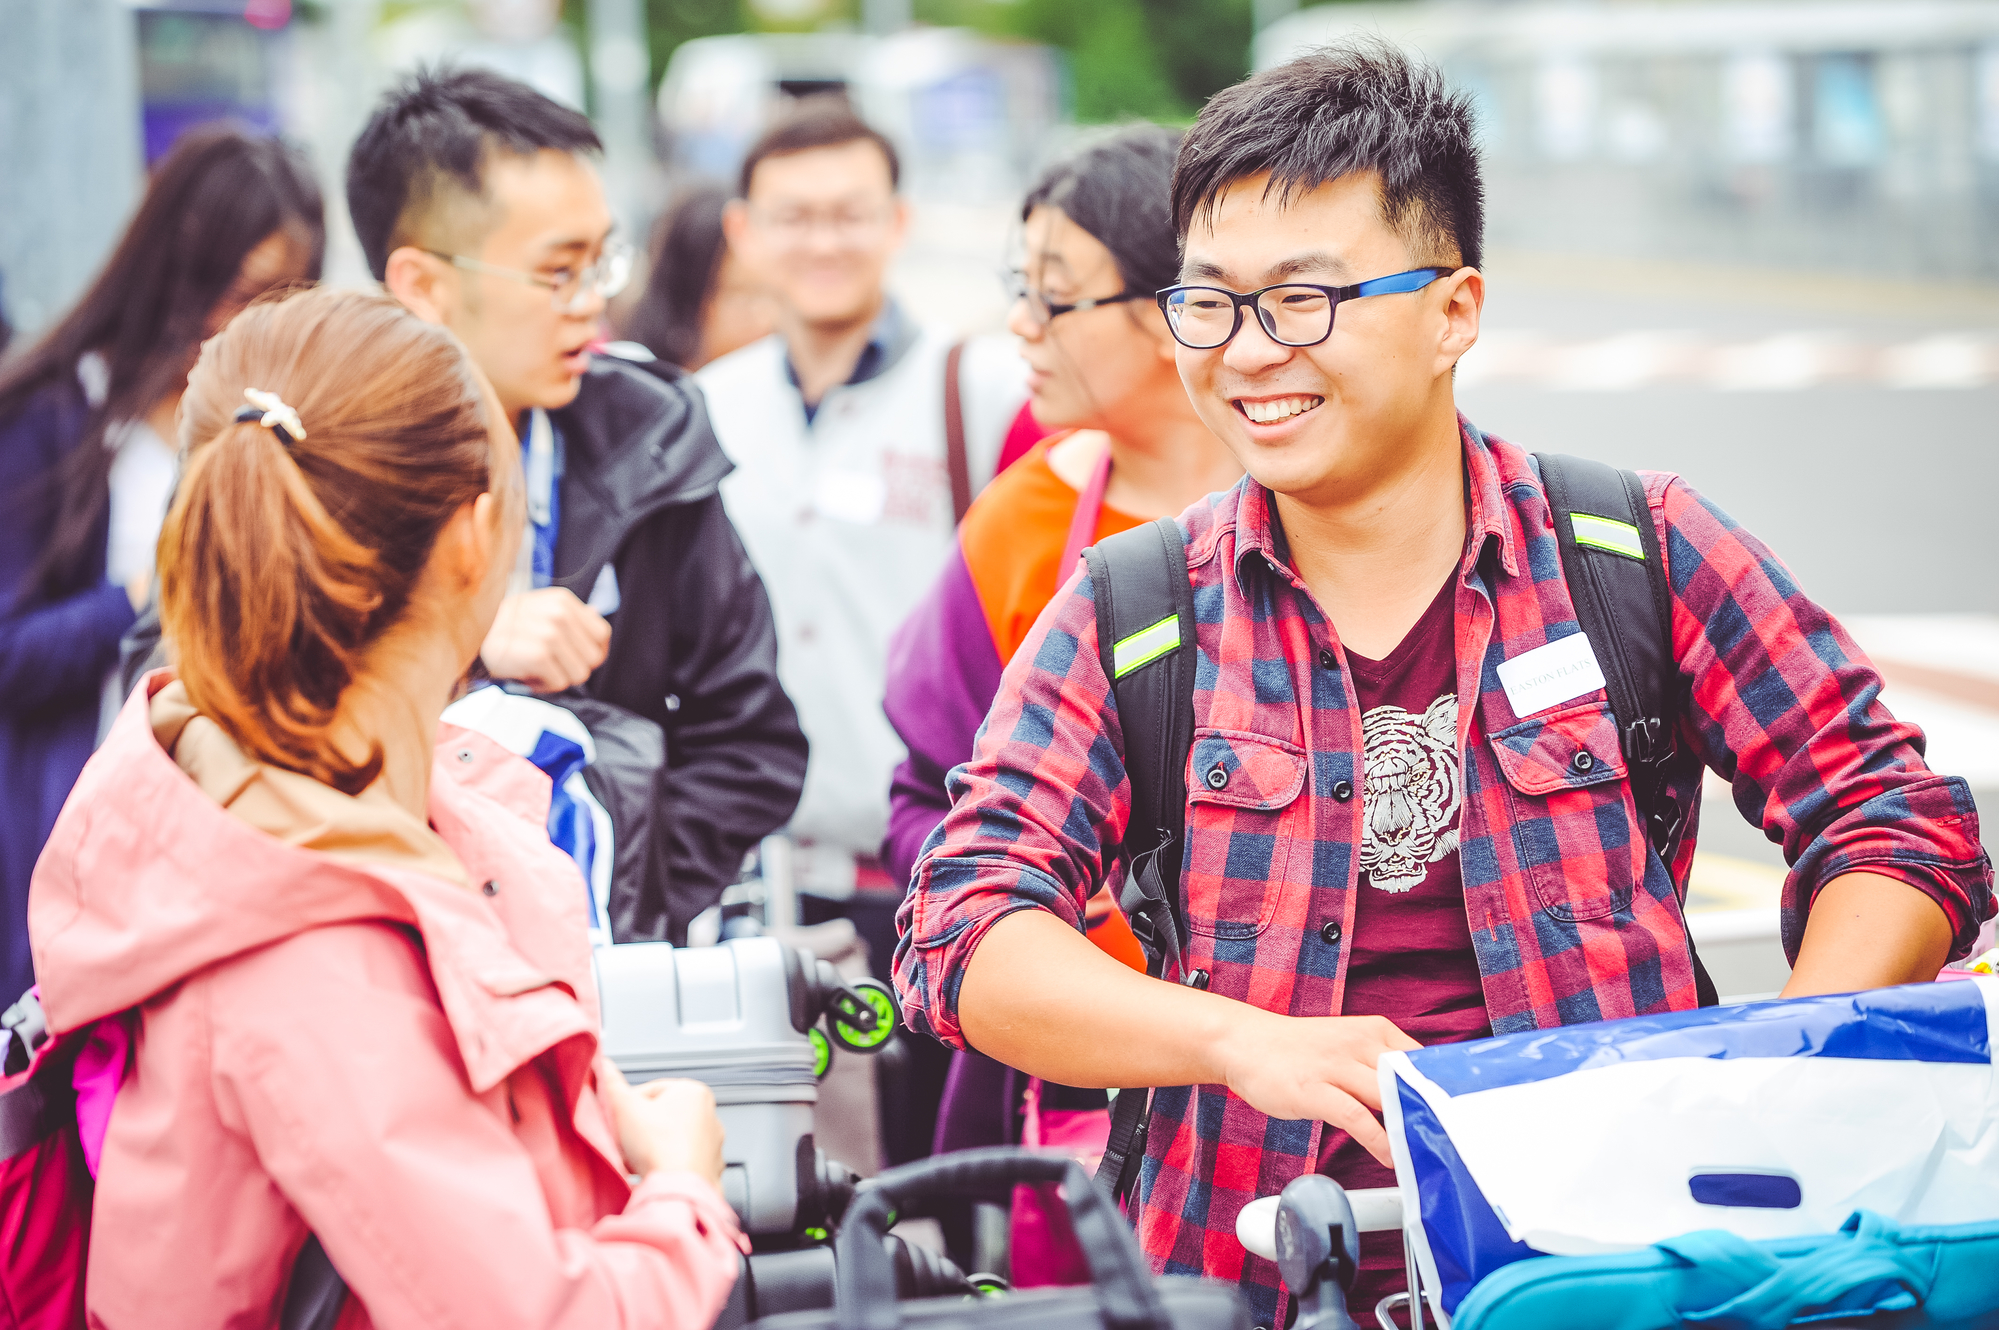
147,879
636,439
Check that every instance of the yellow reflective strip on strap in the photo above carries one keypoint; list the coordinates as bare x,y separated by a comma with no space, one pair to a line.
1606,533
1145,646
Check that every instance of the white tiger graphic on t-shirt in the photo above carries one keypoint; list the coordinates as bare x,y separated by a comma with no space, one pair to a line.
1411,793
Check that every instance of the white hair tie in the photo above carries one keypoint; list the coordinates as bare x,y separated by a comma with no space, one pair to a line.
270,411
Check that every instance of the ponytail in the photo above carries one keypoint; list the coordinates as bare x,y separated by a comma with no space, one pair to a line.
284,559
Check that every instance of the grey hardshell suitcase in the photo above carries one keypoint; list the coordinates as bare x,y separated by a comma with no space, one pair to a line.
742,1017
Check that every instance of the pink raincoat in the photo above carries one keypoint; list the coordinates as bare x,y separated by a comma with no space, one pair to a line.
355,1025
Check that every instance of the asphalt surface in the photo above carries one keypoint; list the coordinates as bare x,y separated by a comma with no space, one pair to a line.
1879,498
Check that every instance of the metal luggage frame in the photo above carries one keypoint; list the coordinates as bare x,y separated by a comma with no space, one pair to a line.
1376,1210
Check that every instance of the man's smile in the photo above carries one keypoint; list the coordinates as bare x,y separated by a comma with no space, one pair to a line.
1271,410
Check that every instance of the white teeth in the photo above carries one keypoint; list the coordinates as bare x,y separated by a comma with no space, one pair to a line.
1281,408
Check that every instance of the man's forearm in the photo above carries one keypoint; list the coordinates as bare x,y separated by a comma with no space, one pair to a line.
1039,996
1869,931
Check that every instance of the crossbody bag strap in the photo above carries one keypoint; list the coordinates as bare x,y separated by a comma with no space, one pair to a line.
1616,575
1145,639
955,458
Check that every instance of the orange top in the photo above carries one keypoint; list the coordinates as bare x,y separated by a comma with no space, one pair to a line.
1013,538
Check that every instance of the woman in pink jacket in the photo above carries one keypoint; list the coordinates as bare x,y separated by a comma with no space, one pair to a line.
359,984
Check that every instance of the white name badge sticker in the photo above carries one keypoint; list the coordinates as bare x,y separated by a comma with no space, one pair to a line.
851,496
1551,675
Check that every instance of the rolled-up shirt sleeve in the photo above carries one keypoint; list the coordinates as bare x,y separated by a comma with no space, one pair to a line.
1786,707
1036,814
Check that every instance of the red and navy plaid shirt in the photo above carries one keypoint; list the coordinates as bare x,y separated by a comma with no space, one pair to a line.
1573,917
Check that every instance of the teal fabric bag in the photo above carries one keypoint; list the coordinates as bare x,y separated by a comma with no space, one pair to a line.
1873,1273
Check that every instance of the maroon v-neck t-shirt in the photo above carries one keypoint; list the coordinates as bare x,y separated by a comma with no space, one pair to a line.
1410,956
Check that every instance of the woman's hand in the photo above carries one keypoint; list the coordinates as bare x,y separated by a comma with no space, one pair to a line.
665,1125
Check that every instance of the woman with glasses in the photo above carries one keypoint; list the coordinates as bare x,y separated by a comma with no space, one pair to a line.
1097,242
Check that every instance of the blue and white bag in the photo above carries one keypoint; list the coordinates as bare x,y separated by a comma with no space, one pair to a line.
1769,1120
553,739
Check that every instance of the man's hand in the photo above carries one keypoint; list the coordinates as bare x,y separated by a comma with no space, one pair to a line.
1106,1025
546,639
1314,1067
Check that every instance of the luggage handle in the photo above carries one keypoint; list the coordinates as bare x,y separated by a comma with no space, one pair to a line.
1779,1290
865,1282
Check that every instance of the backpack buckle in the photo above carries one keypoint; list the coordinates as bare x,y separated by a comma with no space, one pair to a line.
1641,739
27,1030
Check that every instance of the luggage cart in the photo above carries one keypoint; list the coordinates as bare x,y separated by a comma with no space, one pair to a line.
1376,1210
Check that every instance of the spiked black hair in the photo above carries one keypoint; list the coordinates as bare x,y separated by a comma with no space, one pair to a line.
1343,110
431,135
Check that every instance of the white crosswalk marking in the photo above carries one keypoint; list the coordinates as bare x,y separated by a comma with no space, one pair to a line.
1785,362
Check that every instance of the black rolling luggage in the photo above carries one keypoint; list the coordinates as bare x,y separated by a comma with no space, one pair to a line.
1122,1294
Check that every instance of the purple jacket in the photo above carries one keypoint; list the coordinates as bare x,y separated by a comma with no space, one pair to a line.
53,658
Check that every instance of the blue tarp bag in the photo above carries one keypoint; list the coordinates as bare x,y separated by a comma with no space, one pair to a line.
1873,1272
1742,1125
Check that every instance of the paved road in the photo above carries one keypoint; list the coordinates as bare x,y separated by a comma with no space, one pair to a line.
1880,498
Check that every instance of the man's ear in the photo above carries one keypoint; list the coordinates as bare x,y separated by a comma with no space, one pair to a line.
424,284
736,224
1464,303
900,223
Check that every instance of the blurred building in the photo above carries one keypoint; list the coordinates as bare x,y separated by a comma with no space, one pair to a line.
970,116
1853,134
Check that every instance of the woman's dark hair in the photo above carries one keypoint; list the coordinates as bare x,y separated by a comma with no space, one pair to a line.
687,255
218,194
1119,189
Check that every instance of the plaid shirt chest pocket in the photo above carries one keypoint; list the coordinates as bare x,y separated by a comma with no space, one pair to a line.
1244,820
1574,825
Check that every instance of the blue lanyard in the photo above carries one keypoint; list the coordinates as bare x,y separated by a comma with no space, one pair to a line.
541,462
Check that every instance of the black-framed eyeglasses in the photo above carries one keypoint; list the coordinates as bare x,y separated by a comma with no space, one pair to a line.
1041,309
1203,318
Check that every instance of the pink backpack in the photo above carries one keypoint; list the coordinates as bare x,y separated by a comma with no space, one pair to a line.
56,1093
55,1103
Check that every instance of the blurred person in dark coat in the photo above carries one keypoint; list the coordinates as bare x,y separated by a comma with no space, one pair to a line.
700,302
87,461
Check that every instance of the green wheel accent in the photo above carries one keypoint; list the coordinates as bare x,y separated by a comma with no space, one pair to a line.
822,1052
815,1235
876,995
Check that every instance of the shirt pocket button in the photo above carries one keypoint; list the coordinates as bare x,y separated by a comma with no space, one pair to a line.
1582,761
1218,777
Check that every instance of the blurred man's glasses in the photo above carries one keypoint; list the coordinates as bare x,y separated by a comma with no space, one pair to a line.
1291,313
1041,309
848,226
571,289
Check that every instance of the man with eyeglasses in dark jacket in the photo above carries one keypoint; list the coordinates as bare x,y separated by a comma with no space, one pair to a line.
478,206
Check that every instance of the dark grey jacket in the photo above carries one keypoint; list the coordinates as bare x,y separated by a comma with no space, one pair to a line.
693,646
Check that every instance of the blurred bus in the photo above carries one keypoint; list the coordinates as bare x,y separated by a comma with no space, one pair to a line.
970,116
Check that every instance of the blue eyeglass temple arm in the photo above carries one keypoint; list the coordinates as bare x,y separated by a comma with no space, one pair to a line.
1395,284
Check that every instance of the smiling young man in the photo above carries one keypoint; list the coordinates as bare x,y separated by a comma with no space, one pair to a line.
478,205
843,489
1391,838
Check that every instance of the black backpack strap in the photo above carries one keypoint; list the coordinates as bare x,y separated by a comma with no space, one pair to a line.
1145,637
1617,580
315,1293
